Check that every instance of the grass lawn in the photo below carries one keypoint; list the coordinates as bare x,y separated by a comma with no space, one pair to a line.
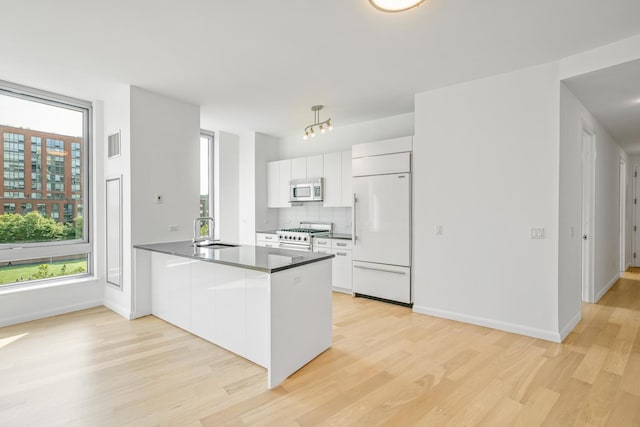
15,273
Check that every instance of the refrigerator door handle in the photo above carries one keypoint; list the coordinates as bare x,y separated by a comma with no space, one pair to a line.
355,199
379,269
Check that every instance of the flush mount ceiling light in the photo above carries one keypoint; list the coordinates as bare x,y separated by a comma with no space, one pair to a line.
324,126
395,5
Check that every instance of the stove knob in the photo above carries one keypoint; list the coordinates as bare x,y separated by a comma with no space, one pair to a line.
305,239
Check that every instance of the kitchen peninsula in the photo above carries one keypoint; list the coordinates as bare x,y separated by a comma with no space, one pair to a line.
270,306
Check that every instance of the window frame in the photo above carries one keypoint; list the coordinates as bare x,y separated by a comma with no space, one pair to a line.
210,136
20,251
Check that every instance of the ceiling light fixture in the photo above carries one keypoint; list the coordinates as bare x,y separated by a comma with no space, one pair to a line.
395,5
322,126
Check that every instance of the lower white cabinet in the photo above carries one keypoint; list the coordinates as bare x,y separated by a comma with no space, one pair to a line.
267,240
225,305
170,295
341,264
342,269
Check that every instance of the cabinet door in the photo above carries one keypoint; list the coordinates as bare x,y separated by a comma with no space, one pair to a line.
218,309
299,168
342,269
285,180
347,186
332,175
273,184
170,292
314,166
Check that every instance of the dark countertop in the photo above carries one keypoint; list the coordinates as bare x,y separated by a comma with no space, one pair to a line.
338,236
267,231
268,260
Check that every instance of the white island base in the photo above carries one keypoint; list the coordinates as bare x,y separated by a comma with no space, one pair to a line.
279,320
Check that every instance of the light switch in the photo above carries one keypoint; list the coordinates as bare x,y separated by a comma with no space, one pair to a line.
536,233
438,230
173,228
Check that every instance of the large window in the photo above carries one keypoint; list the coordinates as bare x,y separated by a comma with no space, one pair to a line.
45,171
206,177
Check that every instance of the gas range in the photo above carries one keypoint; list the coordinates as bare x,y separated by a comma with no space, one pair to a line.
301,238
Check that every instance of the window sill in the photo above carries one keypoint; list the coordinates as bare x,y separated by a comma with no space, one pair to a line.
12,289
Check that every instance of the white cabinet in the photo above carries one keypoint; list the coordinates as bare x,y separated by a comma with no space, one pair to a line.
299,168
267,240
315,166
332,175
307,167
170,292
278,177
285,180
341,267
273,184
347,186
338,190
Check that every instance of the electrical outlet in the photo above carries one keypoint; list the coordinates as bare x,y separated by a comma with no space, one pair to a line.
173,228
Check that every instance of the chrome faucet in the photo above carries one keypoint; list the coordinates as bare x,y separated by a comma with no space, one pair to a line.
196,229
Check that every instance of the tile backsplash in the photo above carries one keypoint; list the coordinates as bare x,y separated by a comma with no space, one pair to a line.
340,217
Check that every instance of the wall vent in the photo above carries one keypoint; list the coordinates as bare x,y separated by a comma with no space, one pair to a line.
113,145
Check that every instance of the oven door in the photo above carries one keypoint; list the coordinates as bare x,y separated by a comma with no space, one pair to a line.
294,247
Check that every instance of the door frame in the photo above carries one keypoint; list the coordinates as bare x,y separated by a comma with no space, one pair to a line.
588,207
636,212
623,214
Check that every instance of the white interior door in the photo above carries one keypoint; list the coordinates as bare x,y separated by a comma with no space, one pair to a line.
588,213
382,219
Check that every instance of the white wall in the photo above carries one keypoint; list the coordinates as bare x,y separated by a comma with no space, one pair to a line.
117,116
341,138
160,148
227,185
266,150
486,169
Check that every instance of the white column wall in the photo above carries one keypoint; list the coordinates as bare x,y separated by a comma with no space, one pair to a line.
486,169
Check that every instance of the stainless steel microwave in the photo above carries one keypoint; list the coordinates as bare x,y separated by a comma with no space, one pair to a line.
306,190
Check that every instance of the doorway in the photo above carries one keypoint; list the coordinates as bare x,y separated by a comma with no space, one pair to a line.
623,215
588,212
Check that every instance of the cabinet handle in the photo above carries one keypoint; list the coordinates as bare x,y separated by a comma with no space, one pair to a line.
341,244
321,243
355,200
341,253
268,237
379,269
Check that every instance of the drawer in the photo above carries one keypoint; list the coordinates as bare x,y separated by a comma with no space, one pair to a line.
342,244
382,281
266,237
321,242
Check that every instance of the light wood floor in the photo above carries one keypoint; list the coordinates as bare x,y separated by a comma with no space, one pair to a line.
387,366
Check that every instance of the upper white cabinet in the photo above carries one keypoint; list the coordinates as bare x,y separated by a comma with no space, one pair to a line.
299,168
337,179
333,179
307,167
314,166
278,177
334,168
347,186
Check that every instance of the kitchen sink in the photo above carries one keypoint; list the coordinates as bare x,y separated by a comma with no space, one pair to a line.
210,244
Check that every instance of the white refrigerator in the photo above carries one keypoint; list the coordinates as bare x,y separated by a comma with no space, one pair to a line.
382,227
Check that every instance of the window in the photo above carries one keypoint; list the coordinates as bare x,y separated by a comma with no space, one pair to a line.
206,172
45,148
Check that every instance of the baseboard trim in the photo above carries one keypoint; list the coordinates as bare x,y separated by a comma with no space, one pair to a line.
566,330
118,310
27,317
606,288
490,323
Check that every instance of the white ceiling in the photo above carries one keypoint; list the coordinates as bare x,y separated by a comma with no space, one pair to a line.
612,95
260,65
